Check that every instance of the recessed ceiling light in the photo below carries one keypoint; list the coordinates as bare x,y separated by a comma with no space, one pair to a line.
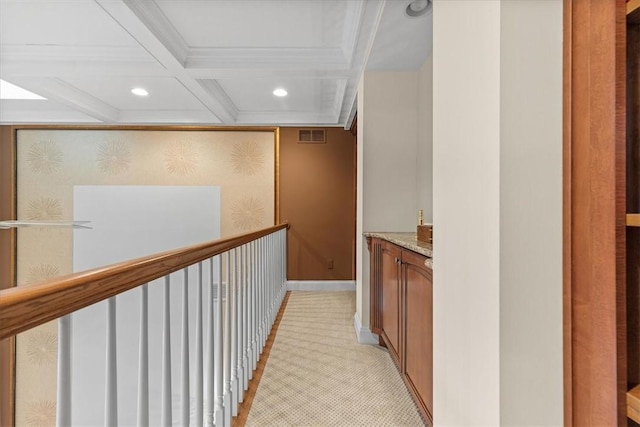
280,92
139,91
418,8
11,91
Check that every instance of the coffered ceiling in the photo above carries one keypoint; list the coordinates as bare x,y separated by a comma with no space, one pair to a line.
202,61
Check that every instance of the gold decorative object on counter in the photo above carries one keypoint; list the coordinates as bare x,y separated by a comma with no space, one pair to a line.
425,231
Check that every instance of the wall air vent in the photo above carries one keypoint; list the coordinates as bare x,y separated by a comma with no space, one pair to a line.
312,136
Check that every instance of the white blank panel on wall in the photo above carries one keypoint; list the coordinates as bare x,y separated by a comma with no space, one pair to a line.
129,222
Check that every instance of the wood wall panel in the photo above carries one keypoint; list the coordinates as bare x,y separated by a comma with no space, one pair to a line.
317,197
633,203
594,214
7,269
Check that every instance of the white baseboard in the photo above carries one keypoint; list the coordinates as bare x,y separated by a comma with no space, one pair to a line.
321,285
364,335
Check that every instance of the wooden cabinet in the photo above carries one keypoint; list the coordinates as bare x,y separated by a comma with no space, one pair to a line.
418,328
391,296
401,296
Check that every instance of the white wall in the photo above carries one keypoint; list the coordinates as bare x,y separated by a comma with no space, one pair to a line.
424,155
497,212
387,165
531,213
390,146
466,212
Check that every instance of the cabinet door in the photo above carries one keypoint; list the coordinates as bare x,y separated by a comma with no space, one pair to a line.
391,298
418,328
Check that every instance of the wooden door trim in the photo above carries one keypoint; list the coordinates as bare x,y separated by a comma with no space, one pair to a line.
593,214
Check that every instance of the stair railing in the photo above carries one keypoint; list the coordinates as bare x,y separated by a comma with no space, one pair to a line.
219,299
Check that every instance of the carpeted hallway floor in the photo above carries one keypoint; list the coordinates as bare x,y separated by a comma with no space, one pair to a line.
318,375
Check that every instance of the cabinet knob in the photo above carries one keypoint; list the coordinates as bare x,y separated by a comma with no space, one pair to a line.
398,260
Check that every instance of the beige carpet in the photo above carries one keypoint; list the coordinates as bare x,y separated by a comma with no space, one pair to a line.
318,374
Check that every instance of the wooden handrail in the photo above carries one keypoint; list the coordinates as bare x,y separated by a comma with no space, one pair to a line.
28,306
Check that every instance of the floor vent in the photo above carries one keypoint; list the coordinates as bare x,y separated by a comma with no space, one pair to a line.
312,136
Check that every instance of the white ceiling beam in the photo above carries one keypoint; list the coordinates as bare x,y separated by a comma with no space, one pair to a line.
167,116
339,99
372,16
257,73
64,61
353,17
146,23
274,58
216,91
287,118
15,116
77,69
64,93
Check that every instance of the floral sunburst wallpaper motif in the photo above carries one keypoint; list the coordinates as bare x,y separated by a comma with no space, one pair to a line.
44,157
51,162
42,347
42,272
114,157
41,413
181,158
44,208
247,158
248,213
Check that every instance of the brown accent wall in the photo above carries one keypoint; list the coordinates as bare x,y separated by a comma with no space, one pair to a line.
7,270
318,198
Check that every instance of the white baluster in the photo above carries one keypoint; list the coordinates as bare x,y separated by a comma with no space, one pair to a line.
234,337
276,275
241,325
143,359
284,261
199,374
256,306
245,320
261,292
209,372
218,379
259,297
63,407
276,260
166,413
185,397
228,318
270,277
266,294
111,371
252,312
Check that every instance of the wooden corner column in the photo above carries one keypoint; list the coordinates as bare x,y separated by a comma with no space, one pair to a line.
594,213
7,269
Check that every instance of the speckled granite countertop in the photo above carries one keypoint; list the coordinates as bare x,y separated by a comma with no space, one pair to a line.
407,241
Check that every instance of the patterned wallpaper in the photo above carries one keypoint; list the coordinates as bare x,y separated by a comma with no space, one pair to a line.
51,162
